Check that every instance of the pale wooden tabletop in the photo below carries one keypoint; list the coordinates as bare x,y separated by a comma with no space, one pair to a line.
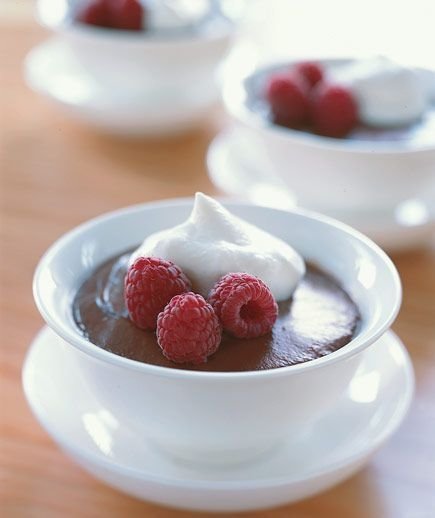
56,174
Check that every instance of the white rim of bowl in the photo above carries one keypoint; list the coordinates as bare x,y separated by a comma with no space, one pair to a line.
234,96
128,36
355,346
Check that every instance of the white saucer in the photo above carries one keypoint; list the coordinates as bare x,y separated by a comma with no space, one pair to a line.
235,170
323,455
52,70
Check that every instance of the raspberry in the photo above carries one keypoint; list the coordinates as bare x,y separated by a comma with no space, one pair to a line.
188,329
287,95
116,14
333,109
126,14
95,13
149,285
244,304
312,72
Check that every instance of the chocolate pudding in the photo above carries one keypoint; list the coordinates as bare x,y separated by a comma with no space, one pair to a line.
318,319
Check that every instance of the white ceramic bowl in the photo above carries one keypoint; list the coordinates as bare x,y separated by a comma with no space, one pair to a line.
53,71
127,82
211,416
138,60
327,173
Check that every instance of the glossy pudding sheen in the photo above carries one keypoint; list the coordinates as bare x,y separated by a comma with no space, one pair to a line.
317,320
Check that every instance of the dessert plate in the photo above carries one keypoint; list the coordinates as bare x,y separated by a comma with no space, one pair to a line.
53,70
235,170
321,456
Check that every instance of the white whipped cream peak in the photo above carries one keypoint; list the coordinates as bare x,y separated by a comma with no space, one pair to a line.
174,14
213,242
388,94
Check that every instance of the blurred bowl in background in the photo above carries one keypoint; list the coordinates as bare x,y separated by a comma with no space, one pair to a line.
236,171
53,71
129,82
328,173
143,60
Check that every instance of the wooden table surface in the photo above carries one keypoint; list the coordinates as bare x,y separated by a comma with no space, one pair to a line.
56,174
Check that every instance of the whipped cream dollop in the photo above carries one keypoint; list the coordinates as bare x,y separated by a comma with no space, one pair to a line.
213,242
388,94
174,14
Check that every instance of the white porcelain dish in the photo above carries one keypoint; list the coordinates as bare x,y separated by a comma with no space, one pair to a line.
53,71
150,60
367,413
326,173
239,173
129,83
219,417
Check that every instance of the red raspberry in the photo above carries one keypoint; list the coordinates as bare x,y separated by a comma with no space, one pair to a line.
244,304
95,13
288,99
334,110
188,329
126,14
149,285
313,72
116,14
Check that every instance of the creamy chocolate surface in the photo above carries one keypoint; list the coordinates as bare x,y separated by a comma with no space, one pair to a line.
318,319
